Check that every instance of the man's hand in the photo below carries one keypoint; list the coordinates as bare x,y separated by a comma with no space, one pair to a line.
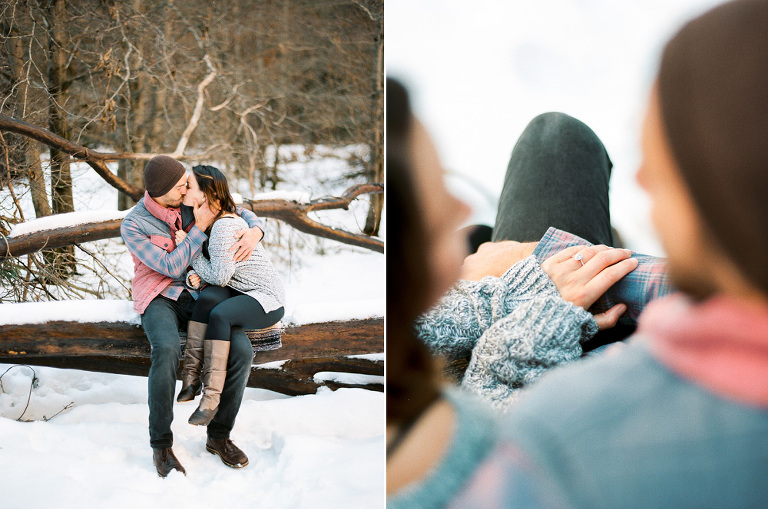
246,243
495,258
194,280
203,216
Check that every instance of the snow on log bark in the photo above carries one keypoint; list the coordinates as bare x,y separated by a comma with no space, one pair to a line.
291,212
123,348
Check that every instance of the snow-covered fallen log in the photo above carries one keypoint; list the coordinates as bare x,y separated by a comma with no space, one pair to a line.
120,346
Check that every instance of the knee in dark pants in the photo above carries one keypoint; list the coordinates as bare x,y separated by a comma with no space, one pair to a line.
219,326
167,352
554,123
208,300
551,129
240,348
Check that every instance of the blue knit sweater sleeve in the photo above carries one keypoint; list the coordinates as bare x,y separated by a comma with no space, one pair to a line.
514,327
514,352
455,324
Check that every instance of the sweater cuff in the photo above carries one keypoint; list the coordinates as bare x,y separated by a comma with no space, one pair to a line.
517,350
528,279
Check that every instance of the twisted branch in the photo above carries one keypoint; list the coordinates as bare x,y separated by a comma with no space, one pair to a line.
291,212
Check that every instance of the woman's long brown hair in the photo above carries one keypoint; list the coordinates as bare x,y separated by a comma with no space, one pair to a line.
214,186
411,384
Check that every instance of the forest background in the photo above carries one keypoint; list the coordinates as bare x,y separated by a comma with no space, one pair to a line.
228,82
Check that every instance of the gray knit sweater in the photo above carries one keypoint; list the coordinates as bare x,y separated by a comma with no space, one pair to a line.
515,327
255,276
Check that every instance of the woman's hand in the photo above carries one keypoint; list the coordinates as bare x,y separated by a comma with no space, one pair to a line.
180,236
194,280
582,282
494,259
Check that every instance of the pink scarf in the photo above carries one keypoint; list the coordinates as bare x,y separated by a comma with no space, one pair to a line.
165,214
720,344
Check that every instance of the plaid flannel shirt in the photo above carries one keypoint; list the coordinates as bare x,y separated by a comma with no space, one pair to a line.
647,282
160,265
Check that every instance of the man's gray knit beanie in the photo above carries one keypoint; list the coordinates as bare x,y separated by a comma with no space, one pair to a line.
160,175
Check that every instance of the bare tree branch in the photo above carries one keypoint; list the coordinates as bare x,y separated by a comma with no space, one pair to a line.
73,149
296,215
291,212
195,118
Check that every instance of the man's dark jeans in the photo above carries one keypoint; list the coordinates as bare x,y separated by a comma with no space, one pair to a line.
161,321
558,176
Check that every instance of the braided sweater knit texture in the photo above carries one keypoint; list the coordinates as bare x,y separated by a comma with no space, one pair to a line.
255,276
515,327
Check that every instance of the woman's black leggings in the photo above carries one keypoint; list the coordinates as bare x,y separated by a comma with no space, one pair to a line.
223,308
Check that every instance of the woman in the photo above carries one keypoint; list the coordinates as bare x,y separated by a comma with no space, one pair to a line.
246,294
439,439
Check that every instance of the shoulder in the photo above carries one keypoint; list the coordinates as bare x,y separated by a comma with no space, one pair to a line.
226,227
471,439
586,423
138,210
227,223
136,216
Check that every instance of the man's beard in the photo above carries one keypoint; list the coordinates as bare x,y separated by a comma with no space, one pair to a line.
174,204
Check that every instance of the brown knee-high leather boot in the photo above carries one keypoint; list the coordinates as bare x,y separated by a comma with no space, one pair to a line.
193,362
214,374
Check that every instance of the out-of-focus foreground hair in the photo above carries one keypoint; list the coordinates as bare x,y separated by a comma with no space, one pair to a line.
411,381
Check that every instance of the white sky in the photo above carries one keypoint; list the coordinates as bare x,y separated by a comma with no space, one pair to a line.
479,71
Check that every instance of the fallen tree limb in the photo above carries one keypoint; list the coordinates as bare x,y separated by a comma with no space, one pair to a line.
59,237
123,348
297,215
293,213
93,158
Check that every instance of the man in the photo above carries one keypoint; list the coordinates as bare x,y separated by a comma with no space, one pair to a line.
679,418
164,302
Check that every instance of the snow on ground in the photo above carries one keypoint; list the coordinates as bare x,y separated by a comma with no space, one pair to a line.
320,451
88,444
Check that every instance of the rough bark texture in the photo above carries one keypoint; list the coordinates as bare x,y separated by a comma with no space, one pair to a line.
122,348
32,152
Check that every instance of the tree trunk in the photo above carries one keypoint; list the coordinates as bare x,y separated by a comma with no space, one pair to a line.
123,348
138,125
32,151
124,202
61,178
373,220
295,214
